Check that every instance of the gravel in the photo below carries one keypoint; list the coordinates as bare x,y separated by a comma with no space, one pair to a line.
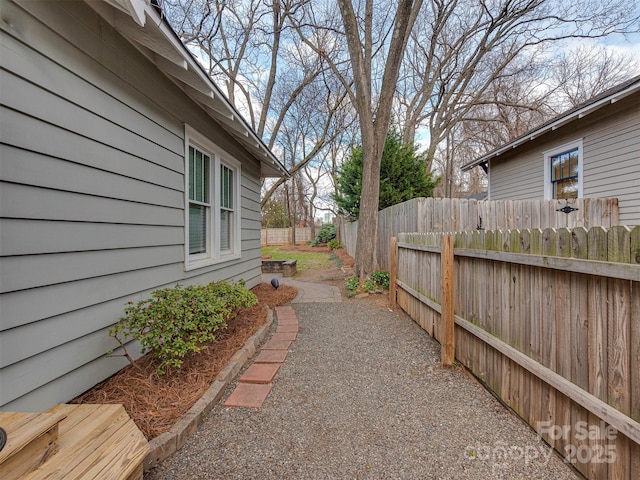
361,395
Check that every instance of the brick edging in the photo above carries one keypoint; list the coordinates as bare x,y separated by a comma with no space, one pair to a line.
171,441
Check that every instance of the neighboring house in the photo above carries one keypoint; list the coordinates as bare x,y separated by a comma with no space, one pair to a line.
590,151
123,170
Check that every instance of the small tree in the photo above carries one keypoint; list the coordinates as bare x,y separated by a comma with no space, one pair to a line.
402,177
274,214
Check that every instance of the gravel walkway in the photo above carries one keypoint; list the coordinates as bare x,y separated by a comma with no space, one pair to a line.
361,395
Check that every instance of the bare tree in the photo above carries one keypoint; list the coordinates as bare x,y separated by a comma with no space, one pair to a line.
314,175
587,70
249,46
439,65
375,41
460,48
317,117
513,105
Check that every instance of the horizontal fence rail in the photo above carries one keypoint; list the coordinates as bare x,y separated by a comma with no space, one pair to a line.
425,215
550,321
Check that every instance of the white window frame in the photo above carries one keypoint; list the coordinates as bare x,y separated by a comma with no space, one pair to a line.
548,184
218,158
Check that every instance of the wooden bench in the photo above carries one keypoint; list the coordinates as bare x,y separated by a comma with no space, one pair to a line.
72,442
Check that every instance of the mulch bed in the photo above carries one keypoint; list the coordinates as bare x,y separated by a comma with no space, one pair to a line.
155,402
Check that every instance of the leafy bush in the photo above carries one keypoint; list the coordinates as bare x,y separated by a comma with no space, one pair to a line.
369,286
179,320
374,283
334,244
326,234
381,278
353,284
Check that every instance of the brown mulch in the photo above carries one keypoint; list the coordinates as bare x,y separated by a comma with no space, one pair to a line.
155,402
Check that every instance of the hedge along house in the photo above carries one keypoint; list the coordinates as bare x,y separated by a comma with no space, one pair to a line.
123,170
590,151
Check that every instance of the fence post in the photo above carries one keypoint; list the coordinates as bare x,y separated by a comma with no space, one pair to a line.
447,320
392,271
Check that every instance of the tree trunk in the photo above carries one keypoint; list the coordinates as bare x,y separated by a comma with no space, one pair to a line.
366,254
374,120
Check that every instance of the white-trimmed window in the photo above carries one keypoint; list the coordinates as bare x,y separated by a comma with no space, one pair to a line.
563,171
212,201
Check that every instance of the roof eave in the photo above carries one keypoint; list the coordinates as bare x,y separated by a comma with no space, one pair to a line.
560,122
147,31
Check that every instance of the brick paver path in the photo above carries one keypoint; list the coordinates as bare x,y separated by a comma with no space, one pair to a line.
255,384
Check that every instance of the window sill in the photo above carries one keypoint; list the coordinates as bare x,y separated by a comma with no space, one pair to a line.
207,262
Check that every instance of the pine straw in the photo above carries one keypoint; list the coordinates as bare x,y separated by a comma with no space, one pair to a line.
155,402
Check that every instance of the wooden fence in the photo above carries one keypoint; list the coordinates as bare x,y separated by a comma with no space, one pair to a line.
283,236
550,321
426,215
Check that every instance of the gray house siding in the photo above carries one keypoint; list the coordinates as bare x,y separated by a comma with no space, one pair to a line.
611,141
91,197
521,178
612,161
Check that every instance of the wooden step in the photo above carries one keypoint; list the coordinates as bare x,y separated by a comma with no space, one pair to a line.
32,438
95,441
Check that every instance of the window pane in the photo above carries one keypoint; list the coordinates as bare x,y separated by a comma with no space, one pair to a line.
565,165
566,189
225,229
573,171
198,177
230,189
197,229
205,180
556,168
226,187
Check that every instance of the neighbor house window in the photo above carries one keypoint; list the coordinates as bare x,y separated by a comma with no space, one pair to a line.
563,172
212,232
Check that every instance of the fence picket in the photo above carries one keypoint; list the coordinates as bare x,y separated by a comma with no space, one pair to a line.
563,336
619,250
578,328
536,330
597,338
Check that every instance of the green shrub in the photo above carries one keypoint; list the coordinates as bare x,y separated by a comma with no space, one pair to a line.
334,244
179,320
381,278
353,284
326,233
369,285
376,281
